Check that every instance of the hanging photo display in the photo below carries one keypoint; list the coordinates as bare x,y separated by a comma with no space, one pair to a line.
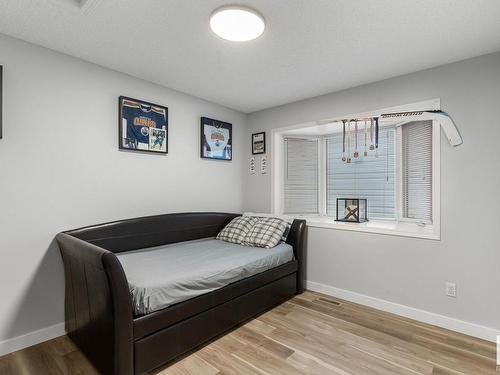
259,143
216,139
143,126
263,165
252,165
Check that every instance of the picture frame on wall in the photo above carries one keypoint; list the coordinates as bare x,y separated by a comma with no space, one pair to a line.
1,100
216,138
143,126
259,143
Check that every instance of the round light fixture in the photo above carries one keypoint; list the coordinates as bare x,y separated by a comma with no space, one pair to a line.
237,23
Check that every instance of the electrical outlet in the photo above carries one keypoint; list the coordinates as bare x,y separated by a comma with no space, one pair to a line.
451,289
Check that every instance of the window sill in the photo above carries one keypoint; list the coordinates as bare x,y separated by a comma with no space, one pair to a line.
387,227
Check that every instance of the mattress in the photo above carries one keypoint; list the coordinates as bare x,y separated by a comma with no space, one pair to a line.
165,275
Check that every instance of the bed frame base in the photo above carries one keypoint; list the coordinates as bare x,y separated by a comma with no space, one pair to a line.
154,350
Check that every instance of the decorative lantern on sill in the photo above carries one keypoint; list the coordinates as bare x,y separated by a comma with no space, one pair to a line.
351,210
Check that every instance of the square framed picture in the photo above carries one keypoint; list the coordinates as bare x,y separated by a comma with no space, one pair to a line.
216,139
143,126
258,143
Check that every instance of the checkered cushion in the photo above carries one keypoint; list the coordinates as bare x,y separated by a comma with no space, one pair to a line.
267,232
237,229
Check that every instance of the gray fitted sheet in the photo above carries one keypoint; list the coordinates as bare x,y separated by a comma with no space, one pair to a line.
162,276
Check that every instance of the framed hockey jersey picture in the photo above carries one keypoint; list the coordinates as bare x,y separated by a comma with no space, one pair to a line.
216,139
143,126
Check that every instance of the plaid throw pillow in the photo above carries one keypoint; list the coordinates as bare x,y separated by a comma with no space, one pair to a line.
237,229
267,232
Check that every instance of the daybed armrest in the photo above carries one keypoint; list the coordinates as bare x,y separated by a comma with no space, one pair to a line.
297,238
98,307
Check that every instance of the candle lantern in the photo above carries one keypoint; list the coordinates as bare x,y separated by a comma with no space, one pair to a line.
351,210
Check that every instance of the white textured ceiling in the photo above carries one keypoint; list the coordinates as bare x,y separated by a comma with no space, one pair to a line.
310,47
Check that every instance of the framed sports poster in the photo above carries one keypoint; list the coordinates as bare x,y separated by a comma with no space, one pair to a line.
258,143
143,126
216,139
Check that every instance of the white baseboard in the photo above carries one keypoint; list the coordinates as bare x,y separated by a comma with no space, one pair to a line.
31,338
452,324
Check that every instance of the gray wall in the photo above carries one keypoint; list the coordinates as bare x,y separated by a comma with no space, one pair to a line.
409,271
60,169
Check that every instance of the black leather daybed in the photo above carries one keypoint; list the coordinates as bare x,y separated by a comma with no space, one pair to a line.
99,314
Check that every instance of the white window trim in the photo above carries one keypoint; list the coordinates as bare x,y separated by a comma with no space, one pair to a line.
405,228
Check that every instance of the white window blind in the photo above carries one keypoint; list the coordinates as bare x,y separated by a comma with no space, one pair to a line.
416,155
371,177
301,176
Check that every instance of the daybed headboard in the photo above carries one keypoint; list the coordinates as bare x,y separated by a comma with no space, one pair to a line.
149,231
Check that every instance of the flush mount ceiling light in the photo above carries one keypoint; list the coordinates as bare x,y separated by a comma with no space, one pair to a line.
237,23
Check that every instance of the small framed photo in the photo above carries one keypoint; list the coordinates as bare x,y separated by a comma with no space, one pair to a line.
143,126
258,143
216,139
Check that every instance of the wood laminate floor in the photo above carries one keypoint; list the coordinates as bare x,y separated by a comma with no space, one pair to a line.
309,334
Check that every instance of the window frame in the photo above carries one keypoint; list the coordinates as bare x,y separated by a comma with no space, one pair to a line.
400,226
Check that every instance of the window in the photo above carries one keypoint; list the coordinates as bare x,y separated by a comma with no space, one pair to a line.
371,177
415,139
301,176
396,179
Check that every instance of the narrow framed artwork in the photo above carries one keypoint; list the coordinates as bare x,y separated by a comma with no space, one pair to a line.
258,143
1,100
143,126
216,139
